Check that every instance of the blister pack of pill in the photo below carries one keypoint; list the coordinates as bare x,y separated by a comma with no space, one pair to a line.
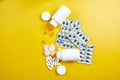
75,40
82,57
70,25
62,36
71,33
79,33
65,44
63,41
79,39
82,36
89,53
86,54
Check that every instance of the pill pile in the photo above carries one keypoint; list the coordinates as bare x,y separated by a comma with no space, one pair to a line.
71,37
49,52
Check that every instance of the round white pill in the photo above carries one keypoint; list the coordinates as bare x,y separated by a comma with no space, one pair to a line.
61,70
45,16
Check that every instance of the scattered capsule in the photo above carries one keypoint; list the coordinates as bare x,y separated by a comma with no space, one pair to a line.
83,37
80,35
70,35
78,32
66,23
86,40
77,28
63,22
73,36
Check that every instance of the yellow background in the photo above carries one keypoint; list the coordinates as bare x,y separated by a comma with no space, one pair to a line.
22,33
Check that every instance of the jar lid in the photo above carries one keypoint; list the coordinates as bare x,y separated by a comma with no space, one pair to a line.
45,16
61,70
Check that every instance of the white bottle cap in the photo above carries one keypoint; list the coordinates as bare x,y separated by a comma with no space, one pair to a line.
54,23
45,16
61,70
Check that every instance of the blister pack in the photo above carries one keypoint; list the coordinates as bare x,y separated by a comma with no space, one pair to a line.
86,54
62,40
71,33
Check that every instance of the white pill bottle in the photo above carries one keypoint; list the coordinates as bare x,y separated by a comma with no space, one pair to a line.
60,15
69,55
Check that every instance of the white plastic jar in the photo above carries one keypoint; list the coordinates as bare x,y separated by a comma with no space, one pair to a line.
69,55
61,14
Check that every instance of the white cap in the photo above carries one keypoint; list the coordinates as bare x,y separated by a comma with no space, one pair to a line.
45,16
61,70
54,23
